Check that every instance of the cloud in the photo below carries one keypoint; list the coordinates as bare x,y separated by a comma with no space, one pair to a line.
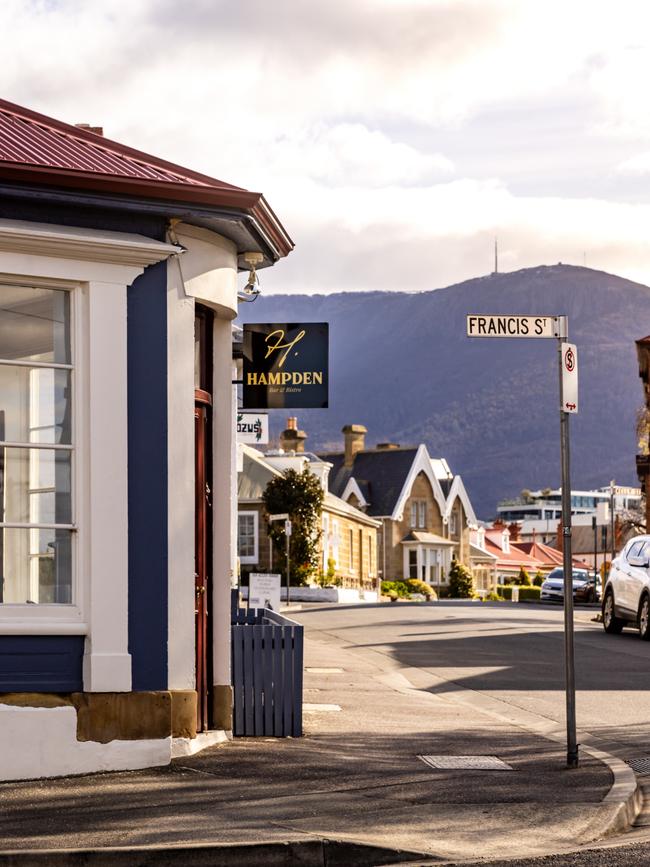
639,164
366,123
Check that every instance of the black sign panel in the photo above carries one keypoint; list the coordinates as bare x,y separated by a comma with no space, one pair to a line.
286,365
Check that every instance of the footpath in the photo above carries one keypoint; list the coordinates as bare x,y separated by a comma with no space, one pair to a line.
353,790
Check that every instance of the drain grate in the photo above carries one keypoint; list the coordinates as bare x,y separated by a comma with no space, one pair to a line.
465,763
639,766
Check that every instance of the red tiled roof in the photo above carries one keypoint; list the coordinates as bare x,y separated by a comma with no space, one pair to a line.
513,559
40,150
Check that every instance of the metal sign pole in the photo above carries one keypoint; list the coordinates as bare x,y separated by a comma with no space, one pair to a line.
288,568
569,658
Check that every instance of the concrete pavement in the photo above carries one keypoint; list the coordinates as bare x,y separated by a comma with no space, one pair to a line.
354,778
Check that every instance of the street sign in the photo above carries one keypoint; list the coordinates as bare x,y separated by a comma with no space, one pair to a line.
505,325
569,378
253,428
281,516
287,528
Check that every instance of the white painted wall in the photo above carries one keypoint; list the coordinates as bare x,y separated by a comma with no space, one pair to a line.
44,744
209,268
205,273
180,468
224,500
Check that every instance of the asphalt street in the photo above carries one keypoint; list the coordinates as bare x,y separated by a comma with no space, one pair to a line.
514,655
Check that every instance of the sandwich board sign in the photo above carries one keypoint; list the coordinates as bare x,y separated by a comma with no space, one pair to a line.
264,591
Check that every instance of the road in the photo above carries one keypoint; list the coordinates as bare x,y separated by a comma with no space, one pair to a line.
512,655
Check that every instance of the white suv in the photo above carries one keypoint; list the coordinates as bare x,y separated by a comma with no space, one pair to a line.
626,601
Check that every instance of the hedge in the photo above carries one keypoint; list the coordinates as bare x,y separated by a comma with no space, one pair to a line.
526,594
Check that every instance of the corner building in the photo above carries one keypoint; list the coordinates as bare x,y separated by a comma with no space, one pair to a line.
118,479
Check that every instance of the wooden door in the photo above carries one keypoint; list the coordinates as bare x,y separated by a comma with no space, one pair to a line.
202,571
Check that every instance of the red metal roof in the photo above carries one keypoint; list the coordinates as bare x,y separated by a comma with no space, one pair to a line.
34,139
37,149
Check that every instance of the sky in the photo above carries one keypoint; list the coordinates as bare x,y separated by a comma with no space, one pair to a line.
395,139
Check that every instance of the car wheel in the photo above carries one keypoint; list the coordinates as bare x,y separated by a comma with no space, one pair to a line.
644,618
611,623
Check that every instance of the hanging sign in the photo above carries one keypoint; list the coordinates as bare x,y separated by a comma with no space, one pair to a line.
264,591
285,365
514,326
253,428
569,377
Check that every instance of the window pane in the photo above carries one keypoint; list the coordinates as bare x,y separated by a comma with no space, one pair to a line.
246,540
36,566
35,486
34,324
35,405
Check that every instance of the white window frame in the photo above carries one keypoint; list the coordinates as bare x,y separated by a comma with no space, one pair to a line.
453,522
414,514
32,526
96,266
248,560
422,514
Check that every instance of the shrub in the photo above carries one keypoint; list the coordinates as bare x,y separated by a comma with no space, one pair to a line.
529,594
526,594
523,579
538,580
492,597
416,586
399,588
461,582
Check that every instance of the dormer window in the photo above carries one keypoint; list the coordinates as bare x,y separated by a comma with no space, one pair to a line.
505,541
453,523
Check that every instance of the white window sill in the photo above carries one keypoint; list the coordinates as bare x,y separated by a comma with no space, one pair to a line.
18,619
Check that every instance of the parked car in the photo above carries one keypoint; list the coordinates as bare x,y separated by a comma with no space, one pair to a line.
627,592
586,586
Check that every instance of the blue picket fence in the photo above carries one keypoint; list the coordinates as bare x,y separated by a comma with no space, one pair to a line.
267,673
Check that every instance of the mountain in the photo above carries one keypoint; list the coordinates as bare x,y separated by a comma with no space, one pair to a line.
400,364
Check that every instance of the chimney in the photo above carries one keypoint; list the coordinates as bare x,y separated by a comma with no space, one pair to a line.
86,127
387,447
355,441
514,531
292,439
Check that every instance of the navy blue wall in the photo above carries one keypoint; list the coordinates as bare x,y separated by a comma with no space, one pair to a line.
54,663
41,663
147,370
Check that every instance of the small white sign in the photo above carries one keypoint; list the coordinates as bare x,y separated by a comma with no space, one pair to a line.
264,591
253,428
569,377
287,528
505,325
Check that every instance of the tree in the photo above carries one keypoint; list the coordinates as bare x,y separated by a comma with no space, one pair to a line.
461,581
301,496
523,579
